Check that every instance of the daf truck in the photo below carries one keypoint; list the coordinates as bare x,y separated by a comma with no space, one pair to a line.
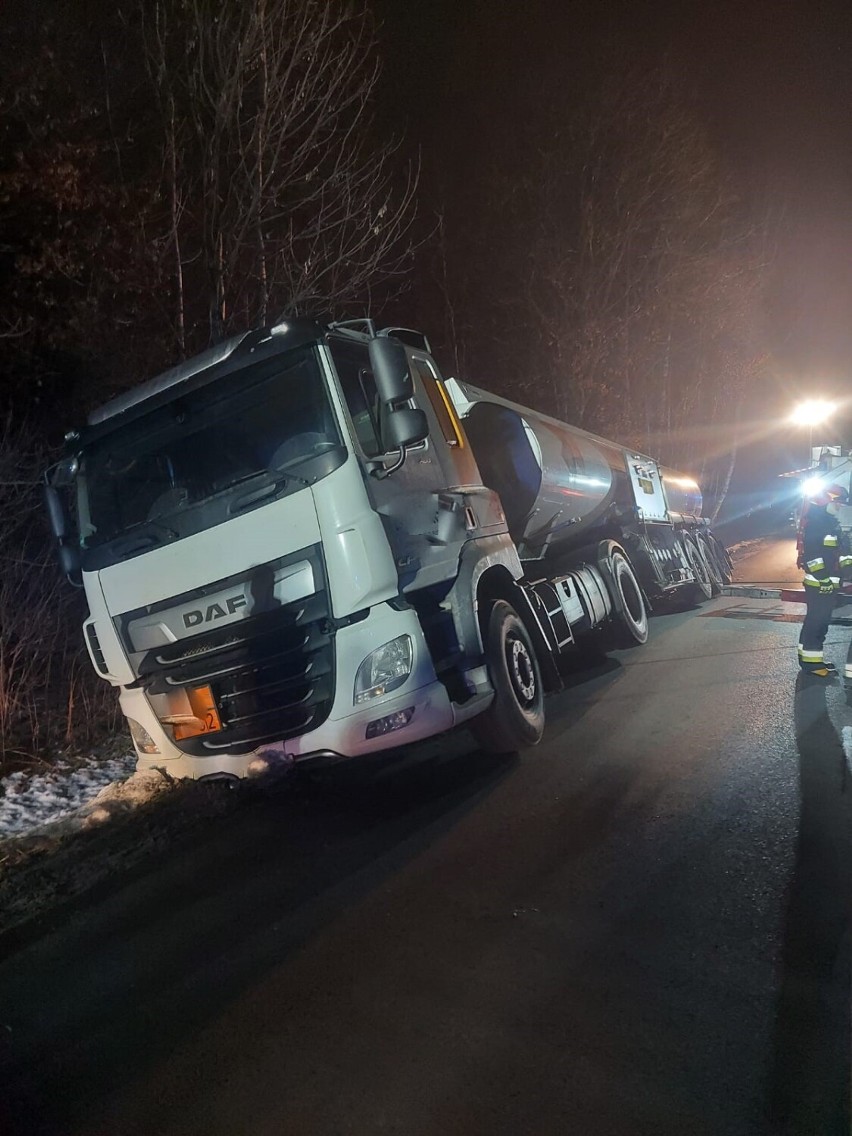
306,543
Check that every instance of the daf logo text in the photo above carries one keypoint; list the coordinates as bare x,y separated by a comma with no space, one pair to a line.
214,611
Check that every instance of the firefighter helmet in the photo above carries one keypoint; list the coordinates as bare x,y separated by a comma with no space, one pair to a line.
825,494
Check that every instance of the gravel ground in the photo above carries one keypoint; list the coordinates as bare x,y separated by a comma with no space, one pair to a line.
70,829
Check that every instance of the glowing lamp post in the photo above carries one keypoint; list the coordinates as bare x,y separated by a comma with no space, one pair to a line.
812,413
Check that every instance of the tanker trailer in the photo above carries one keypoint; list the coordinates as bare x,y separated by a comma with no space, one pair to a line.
567,492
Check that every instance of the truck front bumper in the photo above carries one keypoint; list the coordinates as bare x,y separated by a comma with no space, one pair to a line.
420,708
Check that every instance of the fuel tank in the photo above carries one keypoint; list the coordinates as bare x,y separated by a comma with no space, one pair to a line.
556,481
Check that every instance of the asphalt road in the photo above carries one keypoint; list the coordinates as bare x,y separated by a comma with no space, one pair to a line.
770,561
641,927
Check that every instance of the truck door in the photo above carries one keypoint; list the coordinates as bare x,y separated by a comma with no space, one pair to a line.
457,460
413,502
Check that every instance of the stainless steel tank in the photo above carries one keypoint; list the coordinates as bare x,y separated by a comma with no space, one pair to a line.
683,493
554,480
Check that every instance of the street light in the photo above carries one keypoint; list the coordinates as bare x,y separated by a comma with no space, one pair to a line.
811,413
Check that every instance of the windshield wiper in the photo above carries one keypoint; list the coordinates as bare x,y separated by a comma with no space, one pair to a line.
269,488
139,536
271,476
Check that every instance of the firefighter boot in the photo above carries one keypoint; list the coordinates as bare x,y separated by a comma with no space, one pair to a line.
811,661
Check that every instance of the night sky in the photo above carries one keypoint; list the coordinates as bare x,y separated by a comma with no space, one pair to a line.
772,82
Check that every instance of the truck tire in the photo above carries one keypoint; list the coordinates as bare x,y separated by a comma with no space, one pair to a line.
723,558
630,617
702,588
713,570
515,718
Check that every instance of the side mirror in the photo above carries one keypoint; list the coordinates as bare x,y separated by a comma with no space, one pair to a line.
67,551
56,514
69,562
389,362
403,427
406,427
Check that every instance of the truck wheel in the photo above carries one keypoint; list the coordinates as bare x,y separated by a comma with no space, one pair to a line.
630,620
515,718
723,558
709,554
703,586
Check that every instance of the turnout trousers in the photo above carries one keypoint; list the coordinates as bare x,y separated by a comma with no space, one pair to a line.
815,628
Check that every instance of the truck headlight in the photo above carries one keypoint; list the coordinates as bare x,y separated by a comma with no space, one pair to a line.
141,738
384,669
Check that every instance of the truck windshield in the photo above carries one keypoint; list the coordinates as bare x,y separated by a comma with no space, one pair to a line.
192,463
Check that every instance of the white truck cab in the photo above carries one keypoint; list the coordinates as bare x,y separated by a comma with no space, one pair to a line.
250,526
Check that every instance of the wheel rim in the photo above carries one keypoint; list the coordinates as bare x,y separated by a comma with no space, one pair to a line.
521,671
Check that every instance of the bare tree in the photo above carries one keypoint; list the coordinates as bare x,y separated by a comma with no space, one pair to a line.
48,692
628,272
279,199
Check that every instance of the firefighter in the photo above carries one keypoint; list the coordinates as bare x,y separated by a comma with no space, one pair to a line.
824,552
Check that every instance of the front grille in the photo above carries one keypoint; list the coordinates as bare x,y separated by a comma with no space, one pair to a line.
272,675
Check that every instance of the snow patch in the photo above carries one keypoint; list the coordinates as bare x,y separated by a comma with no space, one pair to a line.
122,796
29,801
745,546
